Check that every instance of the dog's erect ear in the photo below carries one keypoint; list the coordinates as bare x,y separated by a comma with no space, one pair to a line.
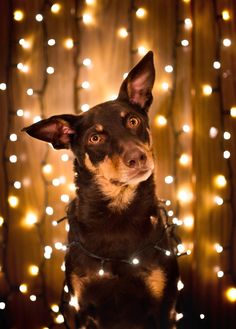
56,130
137,87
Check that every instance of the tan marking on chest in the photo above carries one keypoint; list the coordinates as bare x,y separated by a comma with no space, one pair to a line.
156,282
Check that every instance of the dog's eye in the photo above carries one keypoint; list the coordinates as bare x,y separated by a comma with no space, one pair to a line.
95,139
133,122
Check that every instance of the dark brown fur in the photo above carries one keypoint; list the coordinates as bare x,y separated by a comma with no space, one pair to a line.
115,216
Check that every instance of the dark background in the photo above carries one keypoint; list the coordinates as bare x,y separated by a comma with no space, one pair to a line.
201,223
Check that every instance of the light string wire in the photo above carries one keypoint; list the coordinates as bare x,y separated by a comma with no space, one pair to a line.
223,117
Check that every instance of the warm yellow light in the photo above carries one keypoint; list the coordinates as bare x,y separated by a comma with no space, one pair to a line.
226,154
23,67
165,86
18,15
50,70
55,308
184,159
207,90
220,181
13,201
160,120
184,43
169,179
24,43
218,200
180,248
1,220
33,298
87,18
227,135
33,270
233,112
123,33
23,288
141,12
231,294
85,107
225,15
142,50
180,285
227,42
188,221
216,65
218,248
188,23
90,2
30,219
69,43
47,168
55,8
65,198
186,1
185,195
87,62
59,319
220,274
186,128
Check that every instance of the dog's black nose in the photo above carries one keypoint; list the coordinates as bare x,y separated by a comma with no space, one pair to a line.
135,158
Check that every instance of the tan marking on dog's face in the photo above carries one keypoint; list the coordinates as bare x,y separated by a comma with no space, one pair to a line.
117,181
99,128
150,137
156,282
122,114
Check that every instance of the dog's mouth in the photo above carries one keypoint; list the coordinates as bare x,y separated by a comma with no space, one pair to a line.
135,177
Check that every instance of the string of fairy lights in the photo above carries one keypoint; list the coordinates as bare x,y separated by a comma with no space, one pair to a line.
82,13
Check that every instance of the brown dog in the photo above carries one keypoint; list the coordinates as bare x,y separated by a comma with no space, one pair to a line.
120,265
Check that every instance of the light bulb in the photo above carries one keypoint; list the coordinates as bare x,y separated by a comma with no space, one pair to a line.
51,42
29,92
218,200
23,288
184,159
202,316
87,62
58,245
180,285
165,86
87,18
227,135
142,50
50,70
13,158
218,248
85,107
227,42
47,168
33,270
18,15
55,8
188,23
24,43
65,198
216,65
39,18
225,15
20,113
13,137
188,221
186,128
101,272
2,306
1,220
169,179
226,154
59,319
3,86
17,185
85,85
141,12
31,219
213,132
123,33
160,120
231,294
207,90
169,68
220,181
33,298
69,43
135,261
233,112
55,308
184,43
49,211
13,201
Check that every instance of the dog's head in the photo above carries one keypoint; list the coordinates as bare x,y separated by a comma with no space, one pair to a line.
111,140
